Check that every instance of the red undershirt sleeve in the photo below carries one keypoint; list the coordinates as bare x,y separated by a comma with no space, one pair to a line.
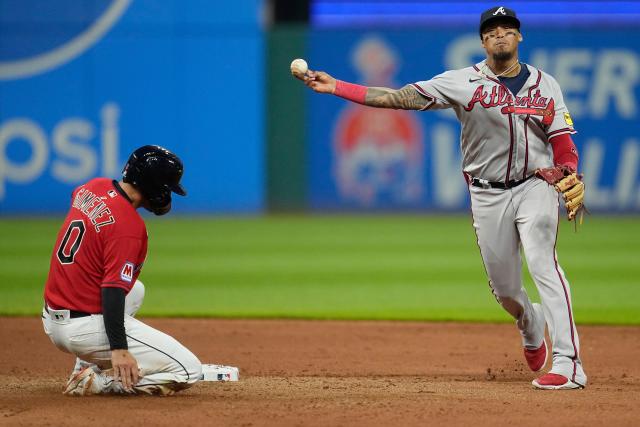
564,151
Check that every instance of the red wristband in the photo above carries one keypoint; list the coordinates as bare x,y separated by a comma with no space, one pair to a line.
564,151
350,91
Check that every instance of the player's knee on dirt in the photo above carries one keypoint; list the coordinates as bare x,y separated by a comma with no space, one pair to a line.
184,371
193,367
134,299
187,368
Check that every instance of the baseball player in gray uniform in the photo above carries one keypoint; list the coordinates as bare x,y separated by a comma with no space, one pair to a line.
517,156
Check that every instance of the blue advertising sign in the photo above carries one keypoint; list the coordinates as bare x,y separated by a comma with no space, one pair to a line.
465,13
82,84
365,158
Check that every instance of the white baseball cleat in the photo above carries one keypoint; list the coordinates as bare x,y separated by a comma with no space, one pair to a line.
83,383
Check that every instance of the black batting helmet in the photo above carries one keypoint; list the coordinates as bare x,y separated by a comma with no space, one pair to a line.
155,172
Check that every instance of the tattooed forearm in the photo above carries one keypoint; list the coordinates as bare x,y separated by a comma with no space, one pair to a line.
406,98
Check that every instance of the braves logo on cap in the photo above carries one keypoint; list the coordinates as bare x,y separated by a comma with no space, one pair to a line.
500,11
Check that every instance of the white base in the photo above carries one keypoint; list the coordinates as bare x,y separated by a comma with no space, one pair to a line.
219,373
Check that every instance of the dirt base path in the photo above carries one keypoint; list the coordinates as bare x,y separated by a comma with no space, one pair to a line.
334,373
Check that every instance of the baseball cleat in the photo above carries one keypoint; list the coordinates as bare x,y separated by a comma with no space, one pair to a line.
155,389
83,383
552,381
537,358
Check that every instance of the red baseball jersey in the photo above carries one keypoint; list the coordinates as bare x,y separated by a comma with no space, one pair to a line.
102,243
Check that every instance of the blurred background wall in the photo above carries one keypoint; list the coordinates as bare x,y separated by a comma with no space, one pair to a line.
84,83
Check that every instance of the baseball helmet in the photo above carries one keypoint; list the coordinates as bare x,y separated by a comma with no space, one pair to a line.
155,172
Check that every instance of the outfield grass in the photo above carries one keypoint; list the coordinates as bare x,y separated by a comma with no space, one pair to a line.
347,267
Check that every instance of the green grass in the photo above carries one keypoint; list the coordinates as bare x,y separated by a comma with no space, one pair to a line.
347,267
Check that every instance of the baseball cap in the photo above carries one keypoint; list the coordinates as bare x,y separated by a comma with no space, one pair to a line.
498,12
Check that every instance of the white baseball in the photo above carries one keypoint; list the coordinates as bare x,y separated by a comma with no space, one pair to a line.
299,67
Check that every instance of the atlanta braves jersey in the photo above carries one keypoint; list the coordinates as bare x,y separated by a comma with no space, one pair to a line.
504,136
102,243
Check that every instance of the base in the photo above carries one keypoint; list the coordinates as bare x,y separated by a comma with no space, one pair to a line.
219,373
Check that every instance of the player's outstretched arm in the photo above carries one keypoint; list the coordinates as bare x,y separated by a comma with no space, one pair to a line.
405,98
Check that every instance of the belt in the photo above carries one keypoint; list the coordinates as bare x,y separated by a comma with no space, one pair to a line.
483,183
73,314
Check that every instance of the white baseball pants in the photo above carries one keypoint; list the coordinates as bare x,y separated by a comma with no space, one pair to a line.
527,217
164,362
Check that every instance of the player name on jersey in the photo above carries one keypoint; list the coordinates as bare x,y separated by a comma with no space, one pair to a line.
94,208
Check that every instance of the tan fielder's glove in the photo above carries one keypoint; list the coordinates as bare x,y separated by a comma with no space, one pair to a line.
568,183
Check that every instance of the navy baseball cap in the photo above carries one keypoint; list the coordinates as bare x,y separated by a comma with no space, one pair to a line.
498,12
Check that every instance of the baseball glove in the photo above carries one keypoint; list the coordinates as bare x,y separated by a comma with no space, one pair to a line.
568,183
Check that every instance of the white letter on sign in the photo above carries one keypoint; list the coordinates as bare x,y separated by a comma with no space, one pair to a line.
30,132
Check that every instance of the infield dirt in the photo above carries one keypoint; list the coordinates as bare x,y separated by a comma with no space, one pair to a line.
330,373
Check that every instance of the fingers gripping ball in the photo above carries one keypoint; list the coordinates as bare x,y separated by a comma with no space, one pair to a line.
299,68
569,184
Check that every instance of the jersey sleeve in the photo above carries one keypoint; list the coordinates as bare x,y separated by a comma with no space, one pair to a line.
122,262
562,122
437,91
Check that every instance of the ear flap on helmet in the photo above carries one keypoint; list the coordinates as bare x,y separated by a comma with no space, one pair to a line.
160,203
155,172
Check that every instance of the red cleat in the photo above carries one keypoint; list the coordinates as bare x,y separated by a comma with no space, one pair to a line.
555,382
536,359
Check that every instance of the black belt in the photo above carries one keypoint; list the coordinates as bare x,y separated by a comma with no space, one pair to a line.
72,313
483,183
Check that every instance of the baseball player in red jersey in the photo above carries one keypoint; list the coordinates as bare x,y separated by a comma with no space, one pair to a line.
92,291
515,129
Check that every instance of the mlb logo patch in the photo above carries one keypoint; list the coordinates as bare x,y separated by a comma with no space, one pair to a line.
126,273
112,193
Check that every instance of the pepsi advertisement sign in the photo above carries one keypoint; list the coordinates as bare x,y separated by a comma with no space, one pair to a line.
82,84
363,158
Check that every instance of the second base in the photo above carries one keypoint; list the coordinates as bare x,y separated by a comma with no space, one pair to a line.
219,373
